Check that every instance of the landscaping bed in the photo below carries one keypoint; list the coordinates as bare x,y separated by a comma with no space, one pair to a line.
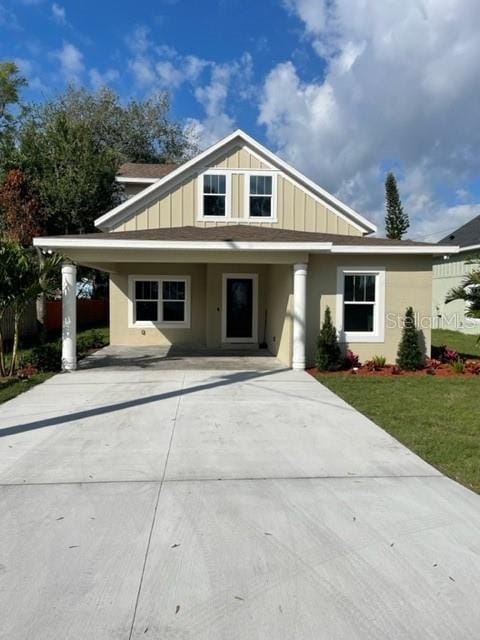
38,362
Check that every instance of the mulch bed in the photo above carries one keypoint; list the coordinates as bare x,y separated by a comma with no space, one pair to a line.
444,370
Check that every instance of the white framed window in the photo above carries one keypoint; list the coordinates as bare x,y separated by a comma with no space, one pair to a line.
261,200
360,309
214,194
159,301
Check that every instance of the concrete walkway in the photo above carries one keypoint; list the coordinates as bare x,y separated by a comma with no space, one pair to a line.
223,504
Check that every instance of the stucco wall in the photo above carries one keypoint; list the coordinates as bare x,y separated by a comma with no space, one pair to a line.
408,282
279,311
121,333
296,209
206,304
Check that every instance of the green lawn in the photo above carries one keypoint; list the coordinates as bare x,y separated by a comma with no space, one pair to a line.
466,345
87,340
437,418
10,389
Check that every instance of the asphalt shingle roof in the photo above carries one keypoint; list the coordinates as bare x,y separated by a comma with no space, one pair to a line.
244,233
145,170
465,236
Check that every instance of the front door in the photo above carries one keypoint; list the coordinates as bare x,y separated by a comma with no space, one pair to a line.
239,304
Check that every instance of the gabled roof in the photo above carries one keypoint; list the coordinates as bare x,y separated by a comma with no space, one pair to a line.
237,138
239,238
145,171
467,236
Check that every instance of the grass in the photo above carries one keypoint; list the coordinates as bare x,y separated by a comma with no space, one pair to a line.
12,387
466,345
437,418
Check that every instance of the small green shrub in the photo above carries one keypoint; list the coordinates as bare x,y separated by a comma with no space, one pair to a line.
328,355
458,366
410,356
379,362
47,356
90,340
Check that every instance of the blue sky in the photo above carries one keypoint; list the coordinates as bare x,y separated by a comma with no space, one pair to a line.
345,91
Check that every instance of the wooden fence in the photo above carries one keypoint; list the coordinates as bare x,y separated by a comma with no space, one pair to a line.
90,313
28,325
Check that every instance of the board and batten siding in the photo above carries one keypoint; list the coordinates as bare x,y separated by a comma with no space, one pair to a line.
296,208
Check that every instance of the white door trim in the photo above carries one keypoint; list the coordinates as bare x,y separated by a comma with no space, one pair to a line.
251,276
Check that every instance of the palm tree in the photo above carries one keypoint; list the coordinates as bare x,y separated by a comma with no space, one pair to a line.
22,279
469,292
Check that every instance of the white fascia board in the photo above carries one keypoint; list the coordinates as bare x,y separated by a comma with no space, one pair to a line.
176,245
395,249
129,180
121,210
472,247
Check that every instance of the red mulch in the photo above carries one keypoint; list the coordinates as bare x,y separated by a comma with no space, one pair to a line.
472,369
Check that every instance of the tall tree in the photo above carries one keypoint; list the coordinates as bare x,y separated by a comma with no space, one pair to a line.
396,220
11,109
72,146
72,171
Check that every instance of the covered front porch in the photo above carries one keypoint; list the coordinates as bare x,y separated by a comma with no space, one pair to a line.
245,304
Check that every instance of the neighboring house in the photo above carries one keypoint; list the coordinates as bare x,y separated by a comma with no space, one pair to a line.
235,248
135,177
449,272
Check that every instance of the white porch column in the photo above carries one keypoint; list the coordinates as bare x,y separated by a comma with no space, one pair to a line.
299,314
69,317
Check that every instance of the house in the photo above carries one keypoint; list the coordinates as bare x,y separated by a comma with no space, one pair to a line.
449,271
235,248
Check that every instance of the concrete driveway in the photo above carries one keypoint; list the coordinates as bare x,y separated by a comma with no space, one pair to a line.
225,499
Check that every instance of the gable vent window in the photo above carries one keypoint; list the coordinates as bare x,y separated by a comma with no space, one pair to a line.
260,198
214,195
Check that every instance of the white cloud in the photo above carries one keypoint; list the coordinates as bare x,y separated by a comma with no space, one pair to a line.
399,85
59,14
161,67
71,62
100,79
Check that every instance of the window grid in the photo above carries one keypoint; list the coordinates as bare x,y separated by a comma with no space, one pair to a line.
260,196
169,296
215,195
359,301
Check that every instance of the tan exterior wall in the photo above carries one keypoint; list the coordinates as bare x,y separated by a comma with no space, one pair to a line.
296,209
121,333
408,282
239,159
206,305
279,312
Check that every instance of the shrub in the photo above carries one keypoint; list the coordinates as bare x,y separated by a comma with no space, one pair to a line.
351,360
47,356
458,366
410,356
328,356
379,362
90,340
